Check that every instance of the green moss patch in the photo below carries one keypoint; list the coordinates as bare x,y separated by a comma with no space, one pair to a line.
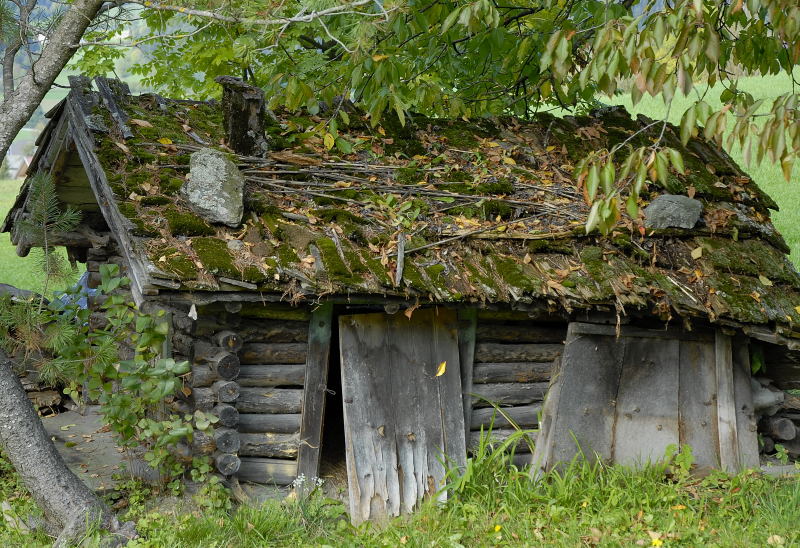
130,212
335,267
752,257
175,262
217,259
155,201
186,224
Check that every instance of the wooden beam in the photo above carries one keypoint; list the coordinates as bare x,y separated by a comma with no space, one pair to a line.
726,404
291,374
316,384
269,400
524,416
268,444
279,423
511,393
264,470
746,427
523,332
467,326
512,372
273,353
508,353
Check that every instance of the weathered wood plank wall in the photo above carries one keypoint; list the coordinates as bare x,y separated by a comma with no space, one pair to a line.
627,394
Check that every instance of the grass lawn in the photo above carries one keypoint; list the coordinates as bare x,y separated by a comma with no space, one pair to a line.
768,176
495,506
22,272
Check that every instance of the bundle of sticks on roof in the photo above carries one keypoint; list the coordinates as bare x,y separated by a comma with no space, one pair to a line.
779,418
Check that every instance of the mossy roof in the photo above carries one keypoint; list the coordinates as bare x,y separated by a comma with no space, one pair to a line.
484,211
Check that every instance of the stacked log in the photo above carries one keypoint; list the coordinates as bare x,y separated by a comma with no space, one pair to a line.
272,376
779,418
248,370
513,362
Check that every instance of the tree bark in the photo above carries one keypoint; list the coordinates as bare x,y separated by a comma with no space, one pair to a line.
18,106
69,506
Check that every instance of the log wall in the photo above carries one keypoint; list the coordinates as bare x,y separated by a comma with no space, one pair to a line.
512,363
248,370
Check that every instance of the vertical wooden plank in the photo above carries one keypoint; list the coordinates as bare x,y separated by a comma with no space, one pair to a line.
542,454
468,322
646,418
697,412
410,434
726,404
366,359
584,418
450,411
746,425
316,383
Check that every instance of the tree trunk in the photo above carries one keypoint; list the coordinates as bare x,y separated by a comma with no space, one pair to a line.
69,506
18,106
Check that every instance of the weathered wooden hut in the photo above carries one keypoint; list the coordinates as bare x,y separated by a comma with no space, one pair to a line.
372,291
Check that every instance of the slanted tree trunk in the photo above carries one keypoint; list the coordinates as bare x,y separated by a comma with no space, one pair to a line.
69,506
19,104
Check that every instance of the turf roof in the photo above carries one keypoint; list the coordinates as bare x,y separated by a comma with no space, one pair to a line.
482,211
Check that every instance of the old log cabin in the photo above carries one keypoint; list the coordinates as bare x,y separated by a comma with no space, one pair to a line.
374,291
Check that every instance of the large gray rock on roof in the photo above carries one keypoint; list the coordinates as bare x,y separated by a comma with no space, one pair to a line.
215,187
673,210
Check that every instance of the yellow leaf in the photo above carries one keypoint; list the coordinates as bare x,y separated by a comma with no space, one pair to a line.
442,368
678,507
797,309
379,57
509,160
697,253
329,141
764,280
497,528
165,141
342,184
381,131
550,148
492,144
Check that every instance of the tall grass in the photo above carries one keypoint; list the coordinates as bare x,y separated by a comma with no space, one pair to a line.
495,504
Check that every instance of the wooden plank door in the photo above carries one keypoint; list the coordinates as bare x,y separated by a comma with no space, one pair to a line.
403,410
